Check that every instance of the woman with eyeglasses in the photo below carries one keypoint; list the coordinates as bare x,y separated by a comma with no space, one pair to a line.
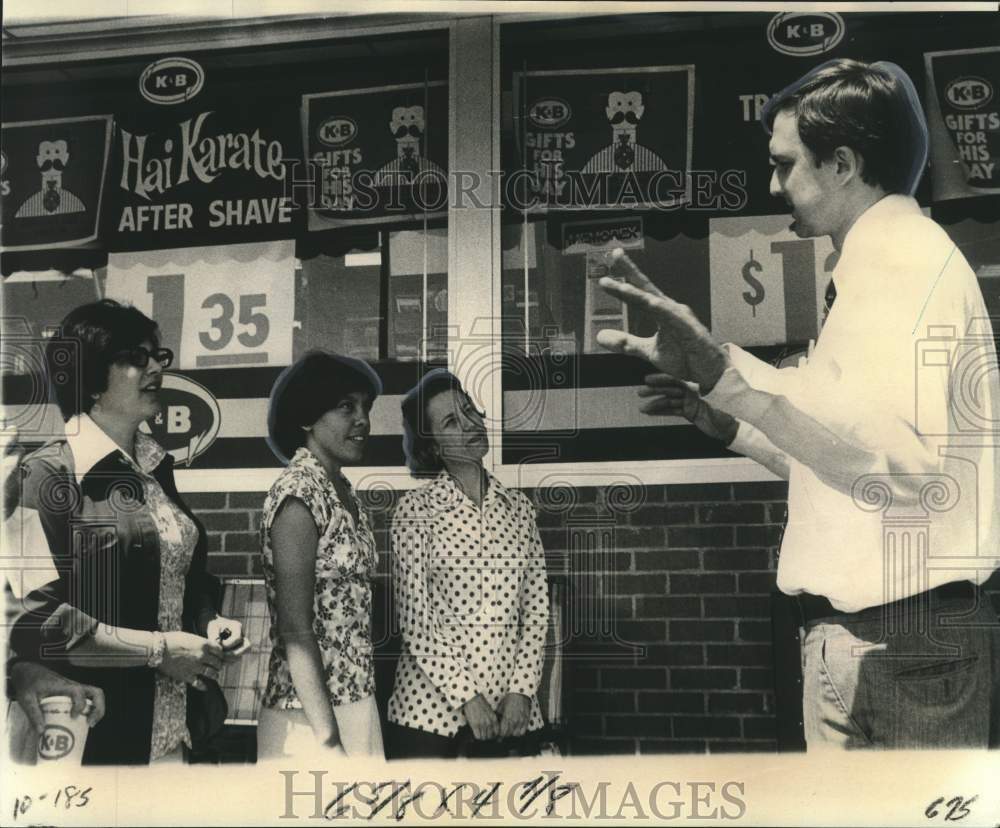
125,603
470,589
319,560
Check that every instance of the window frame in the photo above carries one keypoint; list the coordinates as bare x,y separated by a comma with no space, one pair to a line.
582,473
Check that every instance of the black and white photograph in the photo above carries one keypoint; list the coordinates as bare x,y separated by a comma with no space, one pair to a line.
466,411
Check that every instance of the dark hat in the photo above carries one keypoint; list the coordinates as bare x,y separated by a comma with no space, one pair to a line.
307,389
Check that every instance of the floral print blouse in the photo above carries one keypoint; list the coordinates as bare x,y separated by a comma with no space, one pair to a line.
178,537
346,561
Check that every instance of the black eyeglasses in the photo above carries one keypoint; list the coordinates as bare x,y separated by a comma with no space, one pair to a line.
140,356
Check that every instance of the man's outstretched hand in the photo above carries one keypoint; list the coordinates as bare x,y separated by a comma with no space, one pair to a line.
670,397
681,347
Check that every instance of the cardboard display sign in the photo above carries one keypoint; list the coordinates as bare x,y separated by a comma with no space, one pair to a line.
214,176
217,307
767,283
964,114
53,176
379,154
602,139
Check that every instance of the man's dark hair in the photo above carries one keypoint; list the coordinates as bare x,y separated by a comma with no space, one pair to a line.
871,108
90,338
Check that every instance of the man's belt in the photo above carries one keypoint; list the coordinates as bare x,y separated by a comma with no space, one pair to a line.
813,607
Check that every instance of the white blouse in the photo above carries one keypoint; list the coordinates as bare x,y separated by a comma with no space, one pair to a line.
472,600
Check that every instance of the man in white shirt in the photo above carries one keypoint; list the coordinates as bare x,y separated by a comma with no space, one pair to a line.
888,434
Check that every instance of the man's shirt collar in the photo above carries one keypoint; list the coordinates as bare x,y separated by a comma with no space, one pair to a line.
868,232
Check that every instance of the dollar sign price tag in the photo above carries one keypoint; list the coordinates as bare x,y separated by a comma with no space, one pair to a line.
757,261
757,296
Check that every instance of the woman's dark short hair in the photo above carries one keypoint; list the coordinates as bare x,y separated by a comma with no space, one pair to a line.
871,108
90,337
418,444
307,389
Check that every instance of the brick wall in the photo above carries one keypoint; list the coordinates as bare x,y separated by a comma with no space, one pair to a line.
689,582
667,611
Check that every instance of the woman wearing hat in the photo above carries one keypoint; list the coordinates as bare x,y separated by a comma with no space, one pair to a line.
319,559
470,589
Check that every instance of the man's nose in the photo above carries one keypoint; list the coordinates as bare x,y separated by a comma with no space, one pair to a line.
775,185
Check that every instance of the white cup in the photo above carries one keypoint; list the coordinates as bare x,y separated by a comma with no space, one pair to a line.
63,735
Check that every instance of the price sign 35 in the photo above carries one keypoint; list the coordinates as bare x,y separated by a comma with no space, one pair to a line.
215,311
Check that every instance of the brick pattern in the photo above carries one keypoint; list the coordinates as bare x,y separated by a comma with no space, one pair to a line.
692,669
667,596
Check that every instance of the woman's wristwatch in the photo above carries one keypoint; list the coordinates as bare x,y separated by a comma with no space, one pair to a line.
157,651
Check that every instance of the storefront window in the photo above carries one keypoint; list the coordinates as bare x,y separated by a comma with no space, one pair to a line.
643,132
256,202
387,303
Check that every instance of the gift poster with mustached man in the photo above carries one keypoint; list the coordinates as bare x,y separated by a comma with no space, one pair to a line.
608,138
53,175
379,154
964,119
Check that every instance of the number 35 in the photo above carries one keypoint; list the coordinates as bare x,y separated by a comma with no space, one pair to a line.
223,323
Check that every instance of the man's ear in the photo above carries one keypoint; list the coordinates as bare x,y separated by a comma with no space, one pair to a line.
847,163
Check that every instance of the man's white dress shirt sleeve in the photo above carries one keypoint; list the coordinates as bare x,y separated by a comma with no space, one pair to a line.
861,406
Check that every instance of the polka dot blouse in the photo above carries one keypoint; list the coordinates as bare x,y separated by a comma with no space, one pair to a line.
472,600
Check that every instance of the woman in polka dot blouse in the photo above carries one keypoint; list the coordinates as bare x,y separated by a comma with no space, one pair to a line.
470,589
319,560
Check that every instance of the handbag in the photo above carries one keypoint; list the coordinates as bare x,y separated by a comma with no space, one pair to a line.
206,715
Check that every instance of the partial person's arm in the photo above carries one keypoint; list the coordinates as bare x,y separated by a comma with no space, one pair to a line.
47,627
842,428
30,682
666,396
294,538
69,635
879,407
858,413
202,590
186,657
753,443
